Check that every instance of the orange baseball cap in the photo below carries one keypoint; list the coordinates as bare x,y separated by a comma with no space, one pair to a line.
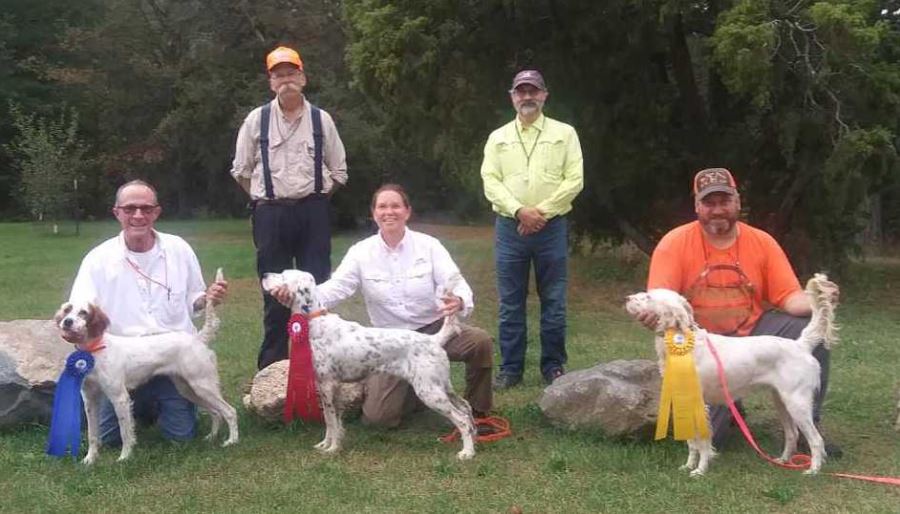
283,54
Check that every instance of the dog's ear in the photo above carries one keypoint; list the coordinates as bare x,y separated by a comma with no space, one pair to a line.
685,318
97,322
64,309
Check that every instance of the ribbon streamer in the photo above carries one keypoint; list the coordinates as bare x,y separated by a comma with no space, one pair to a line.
302,396
681,394
65,424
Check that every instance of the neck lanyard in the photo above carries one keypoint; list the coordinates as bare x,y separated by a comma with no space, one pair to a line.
164,285
533,145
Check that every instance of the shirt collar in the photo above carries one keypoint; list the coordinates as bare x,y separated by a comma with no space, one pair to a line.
538,124
276,107
157,243
400,246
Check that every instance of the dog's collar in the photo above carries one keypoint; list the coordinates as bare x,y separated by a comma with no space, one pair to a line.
315,314
92,346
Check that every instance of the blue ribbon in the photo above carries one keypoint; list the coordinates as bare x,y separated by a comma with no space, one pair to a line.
65,425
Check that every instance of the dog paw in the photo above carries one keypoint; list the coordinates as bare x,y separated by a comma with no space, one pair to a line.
811,471
322,445
697,473
464,455
229,442
686,467
89,459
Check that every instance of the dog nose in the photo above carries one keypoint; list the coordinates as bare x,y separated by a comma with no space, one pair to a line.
67,323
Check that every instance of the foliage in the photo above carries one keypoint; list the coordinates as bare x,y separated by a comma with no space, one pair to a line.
800,98
50,160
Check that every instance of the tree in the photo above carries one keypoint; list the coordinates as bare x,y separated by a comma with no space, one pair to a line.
49,157
798,98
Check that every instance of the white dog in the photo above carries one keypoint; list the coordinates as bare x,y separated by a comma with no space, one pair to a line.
127,362
784,365
344,351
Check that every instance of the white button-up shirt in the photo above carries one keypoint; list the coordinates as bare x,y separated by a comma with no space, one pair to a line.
136,305
399,285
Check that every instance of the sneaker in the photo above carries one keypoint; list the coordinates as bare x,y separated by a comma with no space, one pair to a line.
506,381
552,374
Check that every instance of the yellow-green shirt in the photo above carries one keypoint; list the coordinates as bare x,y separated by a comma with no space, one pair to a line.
540,166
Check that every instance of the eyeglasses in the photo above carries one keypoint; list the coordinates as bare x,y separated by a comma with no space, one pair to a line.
131,209
284,74
523,92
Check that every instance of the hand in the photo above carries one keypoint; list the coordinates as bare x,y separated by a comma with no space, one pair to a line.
283,294
452,304
649,319
531,220
217,292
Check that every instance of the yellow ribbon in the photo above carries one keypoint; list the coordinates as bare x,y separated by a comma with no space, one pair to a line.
681,394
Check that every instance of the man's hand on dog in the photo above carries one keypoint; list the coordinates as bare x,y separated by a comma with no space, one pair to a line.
648,319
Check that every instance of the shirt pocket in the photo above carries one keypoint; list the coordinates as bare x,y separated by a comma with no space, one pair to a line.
511,156
377,287
175,308
553,158
420,282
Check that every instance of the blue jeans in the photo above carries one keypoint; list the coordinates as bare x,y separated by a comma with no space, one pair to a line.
548,250
157,400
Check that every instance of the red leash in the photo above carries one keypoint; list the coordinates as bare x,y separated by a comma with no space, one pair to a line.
500,426
302,395
798,461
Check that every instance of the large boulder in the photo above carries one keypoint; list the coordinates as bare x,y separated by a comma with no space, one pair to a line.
31,358
266,395
619,398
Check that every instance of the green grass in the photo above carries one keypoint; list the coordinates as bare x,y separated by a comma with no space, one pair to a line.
540,468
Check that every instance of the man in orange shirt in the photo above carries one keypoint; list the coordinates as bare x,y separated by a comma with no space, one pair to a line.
730,273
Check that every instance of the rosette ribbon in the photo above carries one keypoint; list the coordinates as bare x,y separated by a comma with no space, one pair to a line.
681,396
302,397
65,424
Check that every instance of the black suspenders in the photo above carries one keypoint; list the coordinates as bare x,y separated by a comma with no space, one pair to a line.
318,142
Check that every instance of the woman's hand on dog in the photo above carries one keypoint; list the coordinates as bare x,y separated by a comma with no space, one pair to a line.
283,294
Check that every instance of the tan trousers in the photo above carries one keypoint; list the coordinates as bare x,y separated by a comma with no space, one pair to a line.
389,398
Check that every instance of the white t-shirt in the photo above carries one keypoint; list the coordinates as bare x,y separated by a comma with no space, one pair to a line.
399,285
142,293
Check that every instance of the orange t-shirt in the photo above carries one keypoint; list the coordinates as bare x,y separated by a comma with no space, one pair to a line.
683,254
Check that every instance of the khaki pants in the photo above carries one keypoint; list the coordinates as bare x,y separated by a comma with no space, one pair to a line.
389,398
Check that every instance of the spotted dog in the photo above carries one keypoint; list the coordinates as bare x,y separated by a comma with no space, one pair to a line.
344,351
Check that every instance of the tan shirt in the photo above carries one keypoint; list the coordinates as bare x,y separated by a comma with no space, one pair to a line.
291,154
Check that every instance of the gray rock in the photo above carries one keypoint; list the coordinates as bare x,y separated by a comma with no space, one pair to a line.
619,398
267,393
31,358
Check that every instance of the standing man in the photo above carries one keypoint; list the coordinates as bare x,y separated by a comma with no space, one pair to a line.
147,282
290,159
532,171
728,271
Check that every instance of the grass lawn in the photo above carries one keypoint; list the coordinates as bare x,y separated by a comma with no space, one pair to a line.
539,469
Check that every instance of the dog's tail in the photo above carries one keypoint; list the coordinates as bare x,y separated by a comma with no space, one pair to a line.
448,330
211,323
823,296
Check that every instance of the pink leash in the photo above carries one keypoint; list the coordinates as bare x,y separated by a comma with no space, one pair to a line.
798,461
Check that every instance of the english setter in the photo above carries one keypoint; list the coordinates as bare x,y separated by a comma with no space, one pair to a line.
784,365
344,351
127,362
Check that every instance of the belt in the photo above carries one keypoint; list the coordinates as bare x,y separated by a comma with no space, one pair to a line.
288,201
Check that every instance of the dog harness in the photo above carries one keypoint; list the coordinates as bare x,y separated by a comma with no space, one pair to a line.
721,295
318,141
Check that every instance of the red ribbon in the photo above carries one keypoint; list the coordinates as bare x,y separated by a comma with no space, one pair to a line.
302,395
